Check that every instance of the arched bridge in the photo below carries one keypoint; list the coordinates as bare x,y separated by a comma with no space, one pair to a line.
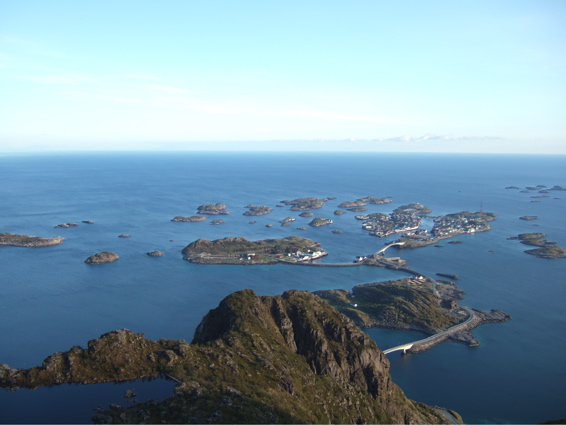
388,246
436,338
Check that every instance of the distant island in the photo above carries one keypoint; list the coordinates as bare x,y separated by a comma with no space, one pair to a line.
26,241
304,204
239,250
529,217
190,219
319,221
102,258
66,225
257,210
448,226
213,209
363,201
546,249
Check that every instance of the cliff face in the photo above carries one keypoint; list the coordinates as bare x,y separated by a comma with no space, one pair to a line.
286,359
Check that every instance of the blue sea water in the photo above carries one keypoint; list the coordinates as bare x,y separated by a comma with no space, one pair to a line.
51,300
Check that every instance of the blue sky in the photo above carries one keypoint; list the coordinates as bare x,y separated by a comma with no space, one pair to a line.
420,76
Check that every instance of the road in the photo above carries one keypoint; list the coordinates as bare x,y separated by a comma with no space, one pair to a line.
440,335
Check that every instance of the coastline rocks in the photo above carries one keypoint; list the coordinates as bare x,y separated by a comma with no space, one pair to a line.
449,275
124,235
191,219
155,253
25,241
528,217
87,222
102,258
217,222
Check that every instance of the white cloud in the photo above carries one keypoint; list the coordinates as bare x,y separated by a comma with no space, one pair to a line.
437,137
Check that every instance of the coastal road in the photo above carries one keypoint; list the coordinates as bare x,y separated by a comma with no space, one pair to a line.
438,336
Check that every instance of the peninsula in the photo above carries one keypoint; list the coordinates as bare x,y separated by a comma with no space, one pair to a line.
239,250
26,241
290,358
412,304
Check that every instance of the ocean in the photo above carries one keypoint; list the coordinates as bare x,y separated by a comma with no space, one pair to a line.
51,300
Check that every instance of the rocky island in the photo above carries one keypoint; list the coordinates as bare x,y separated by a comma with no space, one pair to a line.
411,304
102,258
319,221
239,250
190,219
304,204
257,210
66,225
213,209
448,226
363,201
285,359
26,241
546,249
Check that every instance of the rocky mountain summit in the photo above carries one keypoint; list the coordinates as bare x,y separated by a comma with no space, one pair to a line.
275,359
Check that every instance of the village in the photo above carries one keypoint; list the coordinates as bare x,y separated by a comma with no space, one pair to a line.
408,221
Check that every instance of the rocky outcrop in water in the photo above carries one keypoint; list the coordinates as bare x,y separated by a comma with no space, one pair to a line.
285,359
102,258
66,225
26,241
213,209
257,210
190,219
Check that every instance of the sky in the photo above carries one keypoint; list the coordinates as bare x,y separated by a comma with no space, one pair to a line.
362,75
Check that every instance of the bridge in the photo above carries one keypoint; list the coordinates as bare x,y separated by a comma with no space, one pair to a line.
436,338
388,246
